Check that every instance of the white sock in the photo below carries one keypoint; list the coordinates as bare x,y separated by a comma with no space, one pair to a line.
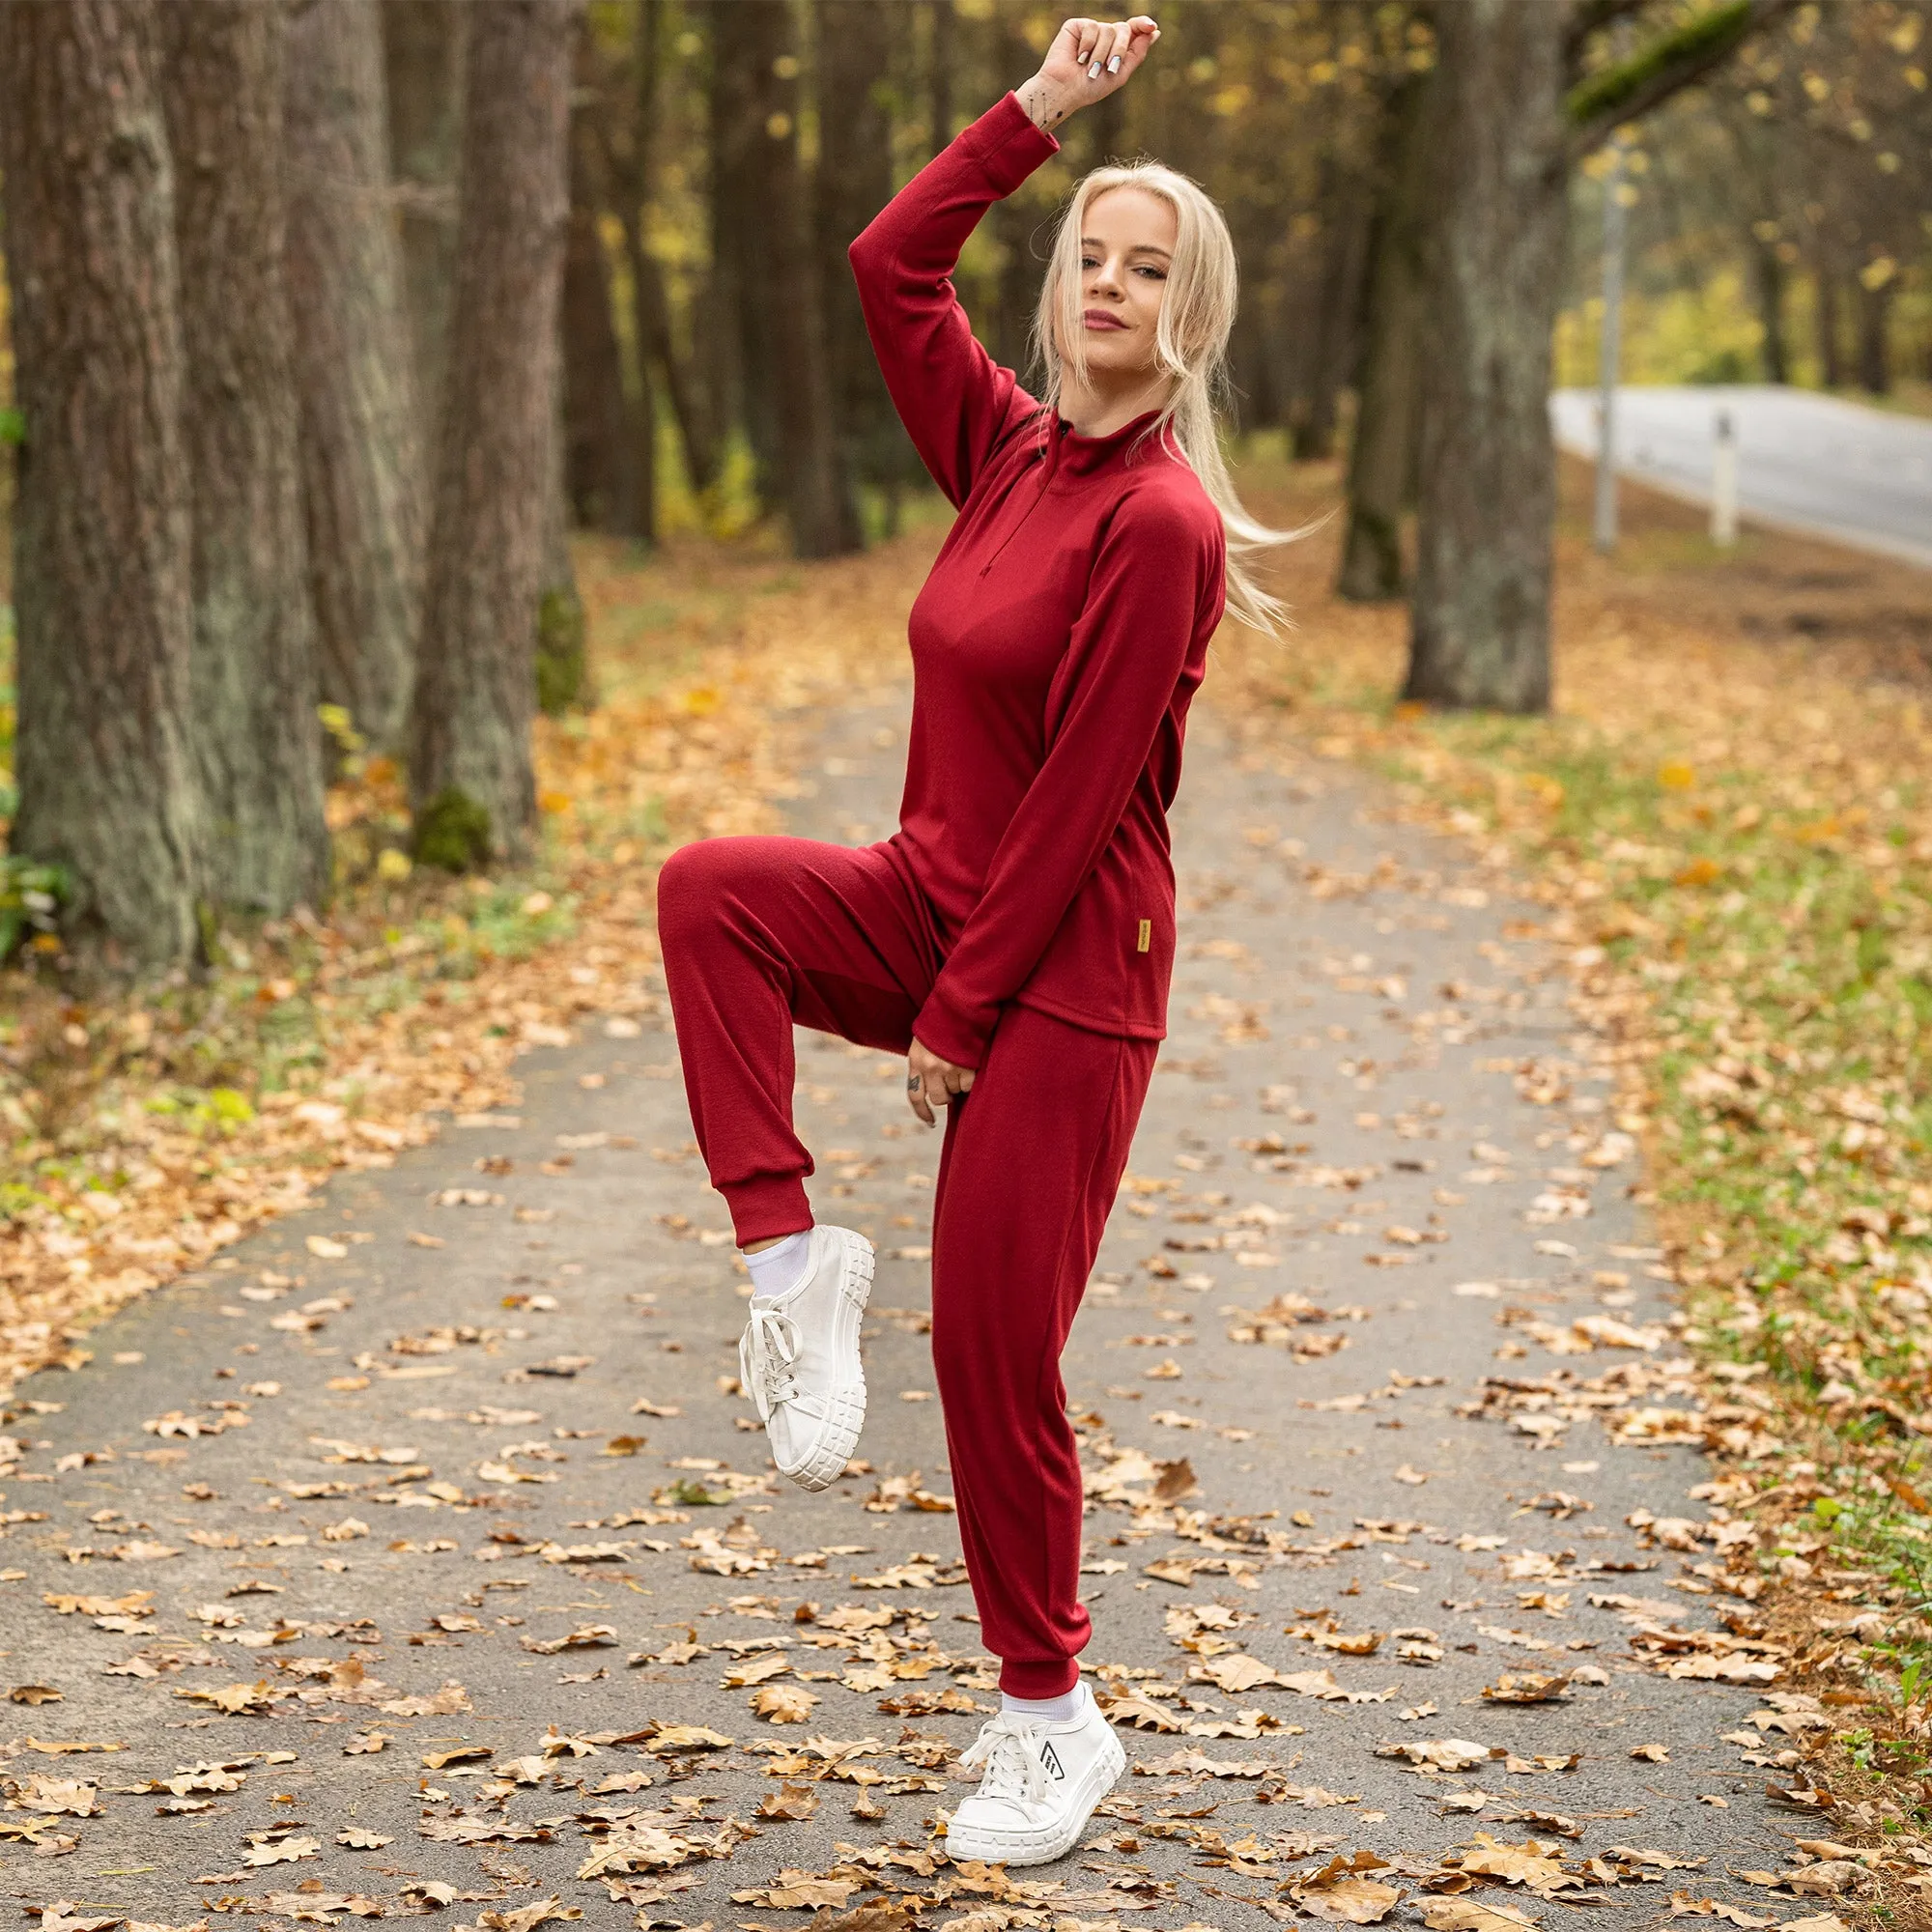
1048,1710
780,1268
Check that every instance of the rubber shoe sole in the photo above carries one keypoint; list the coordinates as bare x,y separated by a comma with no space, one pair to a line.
1047,1842
846,1409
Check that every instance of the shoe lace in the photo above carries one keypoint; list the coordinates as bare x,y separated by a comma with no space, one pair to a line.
766,1353
1006,1748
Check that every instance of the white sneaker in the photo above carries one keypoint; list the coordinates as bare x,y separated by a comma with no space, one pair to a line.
1042,1783
798,1359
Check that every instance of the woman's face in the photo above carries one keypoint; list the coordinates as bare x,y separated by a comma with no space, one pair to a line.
1127,247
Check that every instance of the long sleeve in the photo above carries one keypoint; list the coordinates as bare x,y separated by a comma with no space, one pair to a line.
1155,590
954,400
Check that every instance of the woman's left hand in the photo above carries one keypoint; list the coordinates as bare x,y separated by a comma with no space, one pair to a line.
933,1082
1088,60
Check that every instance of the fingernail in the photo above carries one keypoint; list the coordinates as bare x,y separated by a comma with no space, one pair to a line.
1093,72
1113,65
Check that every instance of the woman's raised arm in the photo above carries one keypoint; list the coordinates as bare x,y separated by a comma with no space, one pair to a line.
954,400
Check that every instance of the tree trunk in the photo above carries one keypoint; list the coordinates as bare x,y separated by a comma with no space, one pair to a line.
854,180
600,440
940,56
471,776
1826,311
1480,619
1323,370
257,742
812,483
738,303
1768,290
1874,339
1388,383
360,449
101,536
658,357
423,55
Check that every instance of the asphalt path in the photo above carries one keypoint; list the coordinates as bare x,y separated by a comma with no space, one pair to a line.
1806,461
491,1502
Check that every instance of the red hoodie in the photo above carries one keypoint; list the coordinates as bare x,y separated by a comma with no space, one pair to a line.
1055,645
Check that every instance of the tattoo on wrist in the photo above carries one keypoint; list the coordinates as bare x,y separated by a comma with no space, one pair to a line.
1044,114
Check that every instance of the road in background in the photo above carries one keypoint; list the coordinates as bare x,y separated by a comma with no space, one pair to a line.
1804,461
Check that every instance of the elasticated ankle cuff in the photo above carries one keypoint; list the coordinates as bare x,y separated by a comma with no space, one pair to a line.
767,1206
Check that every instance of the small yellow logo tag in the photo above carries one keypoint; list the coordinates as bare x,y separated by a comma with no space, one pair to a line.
1146,936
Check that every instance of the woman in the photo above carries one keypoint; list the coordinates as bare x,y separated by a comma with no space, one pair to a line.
1015,936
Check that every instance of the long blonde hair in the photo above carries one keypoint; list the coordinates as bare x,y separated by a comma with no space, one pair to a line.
1197,314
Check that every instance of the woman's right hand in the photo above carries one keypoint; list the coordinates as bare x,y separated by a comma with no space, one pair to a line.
1088,60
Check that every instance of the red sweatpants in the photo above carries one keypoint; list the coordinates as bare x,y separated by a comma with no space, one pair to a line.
759,932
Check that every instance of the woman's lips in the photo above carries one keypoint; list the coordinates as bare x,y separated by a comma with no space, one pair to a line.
1097,318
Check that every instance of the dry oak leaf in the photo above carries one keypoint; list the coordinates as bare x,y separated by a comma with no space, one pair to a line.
527,1918
1470,1915
34,1693
1683,1906
1132,1707
1528,1863
233,1700
1339,1892
1441,1753
795,1888
677,1738
789,1800
783,1703
69,1795
1525,1688
360,1838
282,1851
1652,1753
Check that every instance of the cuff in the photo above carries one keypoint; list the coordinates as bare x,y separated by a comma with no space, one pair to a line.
941,1028
1007,144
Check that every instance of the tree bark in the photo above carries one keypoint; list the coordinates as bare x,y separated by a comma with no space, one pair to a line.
1388,383
423,54
1874,307
1826,310
812,482
853,181
471,781
1768,289
1329,347
101,534
257,742
599,438
1480,619
736,311
361,454
657,358
940,56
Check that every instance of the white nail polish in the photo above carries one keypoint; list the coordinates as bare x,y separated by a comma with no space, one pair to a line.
1113,65
1093,72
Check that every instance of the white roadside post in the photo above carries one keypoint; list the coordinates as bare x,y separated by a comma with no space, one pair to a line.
1725,483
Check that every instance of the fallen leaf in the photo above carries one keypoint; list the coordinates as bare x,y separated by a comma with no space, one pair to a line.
783,1703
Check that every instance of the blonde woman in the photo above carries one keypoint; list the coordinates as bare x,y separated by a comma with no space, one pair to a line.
1014,938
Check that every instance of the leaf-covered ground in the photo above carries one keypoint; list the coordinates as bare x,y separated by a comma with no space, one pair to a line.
1724,828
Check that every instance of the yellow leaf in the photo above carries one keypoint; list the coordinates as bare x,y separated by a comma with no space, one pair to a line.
1676,776
1699,872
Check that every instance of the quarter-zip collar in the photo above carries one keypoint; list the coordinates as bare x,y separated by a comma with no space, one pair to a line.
1072,454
